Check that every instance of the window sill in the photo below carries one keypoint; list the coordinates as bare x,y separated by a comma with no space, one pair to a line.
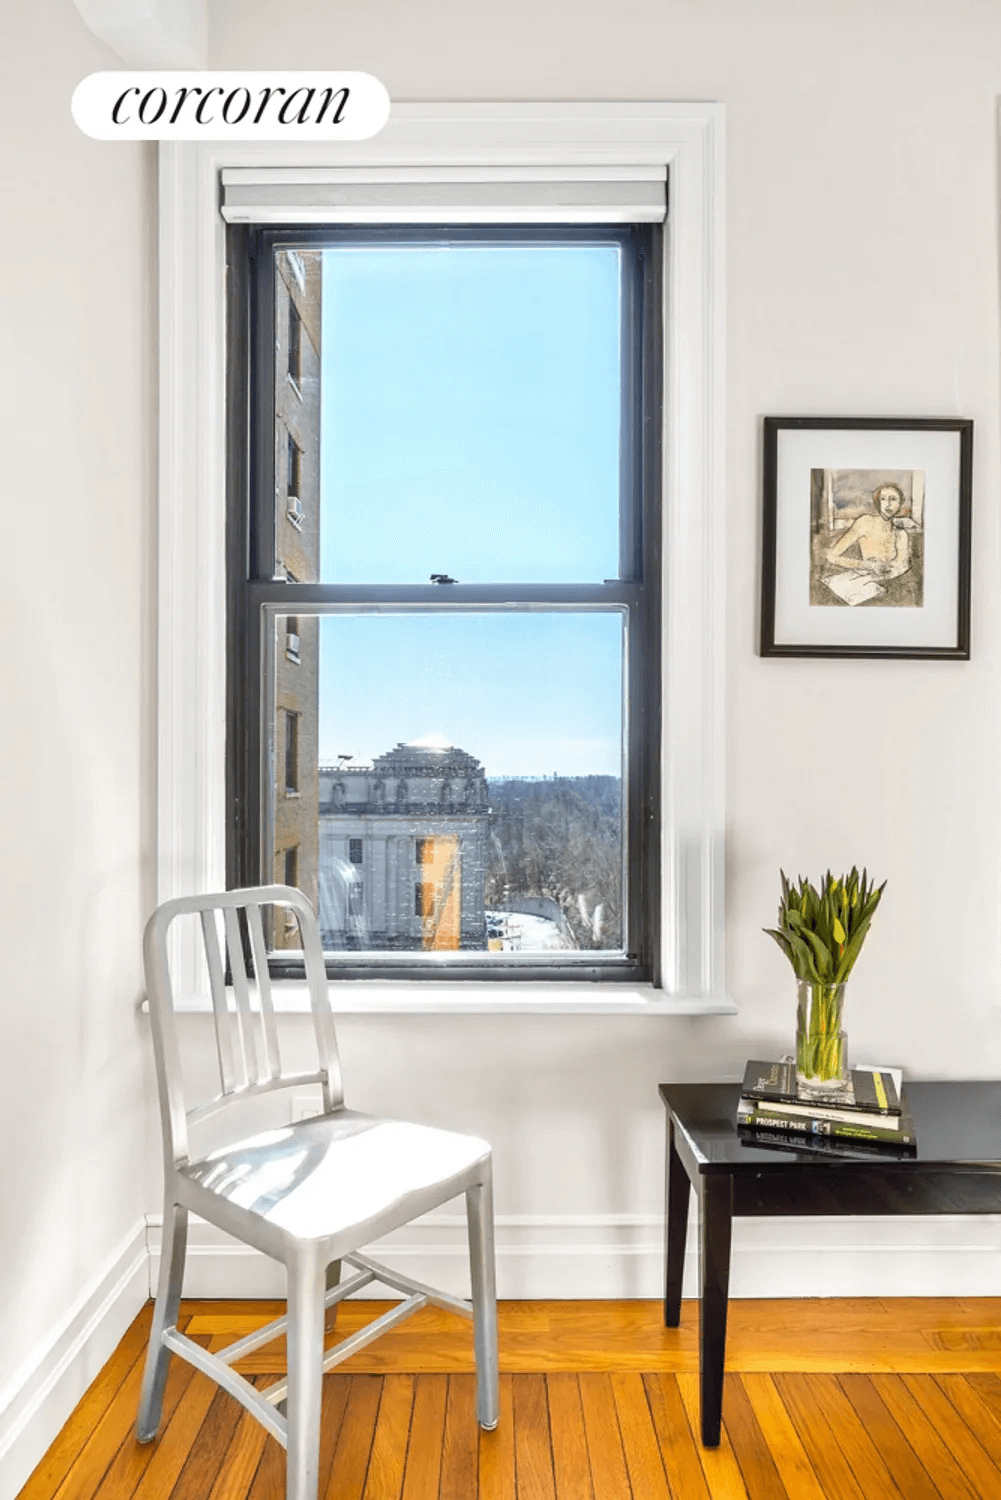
363,997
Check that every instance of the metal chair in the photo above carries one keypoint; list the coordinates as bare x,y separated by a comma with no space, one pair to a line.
309,1194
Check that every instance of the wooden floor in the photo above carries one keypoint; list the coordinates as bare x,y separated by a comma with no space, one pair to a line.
824,1400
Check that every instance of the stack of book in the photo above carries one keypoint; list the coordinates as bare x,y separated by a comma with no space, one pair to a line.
871,1115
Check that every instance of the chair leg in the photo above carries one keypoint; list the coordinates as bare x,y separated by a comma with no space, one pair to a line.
173,1245
331,1279
306,1286
480,1218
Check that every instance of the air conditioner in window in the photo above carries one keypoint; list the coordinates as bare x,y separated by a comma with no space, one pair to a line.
292,646
294,510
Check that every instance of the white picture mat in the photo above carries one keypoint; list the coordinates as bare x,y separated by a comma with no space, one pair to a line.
800,623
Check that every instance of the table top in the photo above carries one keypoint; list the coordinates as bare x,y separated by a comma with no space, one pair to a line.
957,1124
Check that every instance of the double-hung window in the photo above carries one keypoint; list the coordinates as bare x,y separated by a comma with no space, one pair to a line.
440,539
472,441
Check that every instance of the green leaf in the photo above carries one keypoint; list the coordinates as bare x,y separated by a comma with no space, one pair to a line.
804,964
783,943
824,963
850,954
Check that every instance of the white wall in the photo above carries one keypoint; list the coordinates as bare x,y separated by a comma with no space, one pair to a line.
863,275
76,407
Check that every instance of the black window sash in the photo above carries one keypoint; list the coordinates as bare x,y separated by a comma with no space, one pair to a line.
255,597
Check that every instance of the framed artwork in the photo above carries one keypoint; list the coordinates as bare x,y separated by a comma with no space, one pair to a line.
866,537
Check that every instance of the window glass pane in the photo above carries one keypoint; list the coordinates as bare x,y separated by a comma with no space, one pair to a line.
470,413
481,783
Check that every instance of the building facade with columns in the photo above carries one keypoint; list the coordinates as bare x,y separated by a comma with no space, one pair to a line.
403,852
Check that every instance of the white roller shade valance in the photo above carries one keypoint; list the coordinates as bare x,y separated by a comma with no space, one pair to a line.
445,195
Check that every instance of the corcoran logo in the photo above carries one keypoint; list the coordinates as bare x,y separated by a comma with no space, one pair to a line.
172,106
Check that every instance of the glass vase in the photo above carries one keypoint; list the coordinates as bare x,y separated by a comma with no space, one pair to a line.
821,1044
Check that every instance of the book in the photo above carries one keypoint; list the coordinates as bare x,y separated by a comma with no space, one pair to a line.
896,1130
872,1089
820,1111
847,1149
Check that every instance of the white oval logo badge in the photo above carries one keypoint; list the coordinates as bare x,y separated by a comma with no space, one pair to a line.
208,106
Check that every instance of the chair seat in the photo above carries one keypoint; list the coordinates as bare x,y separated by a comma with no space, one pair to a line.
339,1180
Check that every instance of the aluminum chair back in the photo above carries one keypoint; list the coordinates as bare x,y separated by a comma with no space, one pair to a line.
247,1050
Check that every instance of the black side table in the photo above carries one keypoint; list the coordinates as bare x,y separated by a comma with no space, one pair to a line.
957,1169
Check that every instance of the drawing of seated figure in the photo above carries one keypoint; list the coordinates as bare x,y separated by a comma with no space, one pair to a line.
873,552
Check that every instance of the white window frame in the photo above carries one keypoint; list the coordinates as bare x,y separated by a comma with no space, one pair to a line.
191,656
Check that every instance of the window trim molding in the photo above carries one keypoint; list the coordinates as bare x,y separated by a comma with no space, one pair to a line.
191,526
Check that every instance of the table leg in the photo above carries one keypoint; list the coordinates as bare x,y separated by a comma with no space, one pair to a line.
679,1192
715,1219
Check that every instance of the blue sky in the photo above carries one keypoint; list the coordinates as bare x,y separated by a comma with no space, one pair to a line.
470,426
527,695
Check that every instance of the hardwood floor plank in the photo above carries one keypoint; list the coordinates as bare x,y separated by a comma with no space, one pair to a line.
871,1473
354,1441
422,1476
639,1441
571,1466
842,1334
823,1447
240,1461
533,1453
169,1452
461,1446
988,1388
750,1447
982,1420
55,1465
208,1448
964,1445
268,1482
134,1458
720,1467
910,1417
784,1445
675,1438
909,1473
913,1334
497,1452
911,1309
604,1440
335,1400
384,1480
263,1307
110,1432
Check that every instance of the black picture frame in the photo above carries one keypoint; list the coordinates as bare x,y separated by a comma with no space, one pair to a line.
819,484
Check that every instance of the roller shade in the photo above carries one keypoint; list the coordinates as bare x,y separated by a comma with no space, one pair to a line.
445,195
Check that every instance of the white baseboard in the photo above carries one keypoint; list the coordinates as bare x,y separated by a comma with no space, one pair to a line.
39,1397
607,1255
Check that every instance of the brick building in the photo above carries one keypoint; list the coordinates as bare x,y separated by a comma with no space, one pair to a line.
298,293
